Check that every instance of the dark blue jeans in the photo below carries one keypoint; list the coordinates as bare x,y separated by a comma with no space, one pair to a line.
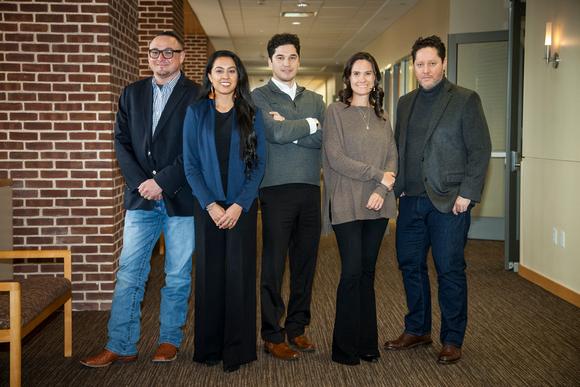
421,226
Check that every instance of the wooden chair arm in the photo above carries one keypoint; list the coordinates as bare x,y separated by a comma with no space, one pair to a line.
9,286
42,254
15,304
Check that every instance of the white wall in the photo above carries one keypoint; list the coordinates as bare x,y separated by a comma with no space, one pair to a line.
551,144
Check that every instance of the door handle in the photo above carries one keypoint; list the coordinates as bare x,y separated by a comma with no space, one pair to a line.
515,160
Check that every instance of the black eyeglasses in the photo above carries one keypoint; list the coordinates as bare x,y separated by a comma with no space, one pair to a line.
167,53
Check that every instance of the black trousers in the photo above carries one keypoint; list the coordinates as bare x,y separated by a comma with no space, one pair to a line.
355,325
225,289
290,224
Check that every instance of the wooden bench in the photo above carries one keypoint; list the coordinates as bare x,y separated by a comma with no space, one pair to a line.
30,301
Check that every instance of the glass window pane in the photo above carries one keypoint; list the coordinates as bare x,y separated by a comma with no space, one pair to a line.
483,67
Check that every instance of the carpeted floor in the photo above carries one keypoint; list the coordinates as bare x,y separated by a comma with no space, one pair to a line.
518,335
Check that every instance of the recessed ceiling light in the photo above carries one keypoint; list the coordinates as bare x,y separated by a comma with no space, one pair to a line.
302,4
298,14
296,23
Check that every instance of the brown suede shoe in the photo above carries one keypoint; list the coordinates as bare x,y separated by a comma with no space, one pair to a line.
165,353
302,344
280,351
449,354
105,358
406,341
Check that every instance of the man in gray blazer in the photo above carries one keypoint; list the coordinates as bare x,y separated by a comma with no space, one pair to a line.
444,150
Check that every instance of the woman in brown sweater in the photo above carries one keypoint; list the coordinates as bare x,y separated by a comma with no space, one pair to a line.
360,164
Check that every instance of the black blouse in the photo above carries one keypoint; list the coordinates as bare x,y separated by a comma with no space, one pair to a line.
223,135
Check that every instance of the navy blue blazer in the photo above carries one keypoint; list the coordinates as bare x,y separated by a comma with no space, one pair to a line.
143,155
201,164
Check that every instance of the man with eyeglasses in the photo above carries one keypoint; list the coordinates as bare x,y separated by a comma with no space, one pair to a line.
148,143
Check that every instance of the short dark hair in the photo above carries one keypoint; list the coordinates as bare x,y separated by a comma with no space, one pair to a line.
173,35
430,41
281,40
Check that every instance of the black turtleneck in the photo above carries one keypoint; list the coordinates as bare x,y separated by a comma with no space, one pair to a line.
416,131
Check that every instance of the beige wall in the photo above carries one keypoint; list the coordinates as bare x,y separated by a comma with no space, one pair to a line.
477,16
321,89
428,17
551,143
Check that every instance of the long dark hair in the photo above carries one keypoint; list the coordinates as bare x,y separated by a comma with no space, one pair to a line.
245,109
377,94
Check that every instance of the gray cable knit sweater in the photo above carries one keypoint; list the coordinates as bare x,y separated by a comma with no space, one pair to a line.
288,162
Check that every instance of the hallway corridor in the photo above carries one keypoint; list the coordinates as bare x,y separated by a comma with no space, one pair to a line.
518,335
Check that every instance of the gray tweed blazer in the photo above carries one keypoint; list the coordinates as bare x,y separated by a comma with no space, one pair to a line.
457,146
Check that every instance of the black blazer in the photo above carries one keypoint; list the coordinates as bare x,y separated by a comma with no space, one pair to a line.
142,155
457,146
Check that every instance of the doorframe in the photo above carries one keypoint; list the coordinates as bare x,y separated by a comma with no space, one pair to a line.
471,37
513,37
517,12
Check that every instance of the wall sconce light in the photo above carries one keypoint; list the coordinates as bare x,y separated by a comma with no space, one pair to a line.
550,58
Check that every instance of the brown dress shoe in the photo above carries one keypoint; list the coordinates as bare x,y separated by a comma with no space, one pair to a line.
406,341
165,353
280,351
105,358
449,354
302,343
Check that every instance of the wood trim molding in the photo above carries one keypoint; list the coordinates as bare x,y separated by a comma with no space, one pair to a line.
5,182
192,26
550,285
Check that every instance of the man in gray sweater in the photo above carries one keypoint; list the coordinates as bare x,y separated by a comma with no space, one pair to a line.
289,198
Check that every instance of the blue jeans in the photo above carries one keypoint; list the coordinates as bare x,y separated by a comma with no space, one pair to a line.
421,226
142,230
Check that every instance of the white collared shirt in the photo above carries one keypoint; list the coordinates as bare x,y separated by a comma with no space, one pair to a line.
290,90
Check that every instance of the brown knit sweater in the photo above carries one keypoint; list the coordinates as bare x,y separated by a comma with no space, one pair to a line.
354,160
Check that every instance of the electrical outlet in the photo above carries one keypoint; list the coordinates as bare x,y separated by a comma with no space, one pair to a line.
562,238
555,236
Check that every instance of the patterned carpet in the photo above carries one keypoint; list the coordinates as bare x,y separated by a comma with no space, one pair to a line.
518,335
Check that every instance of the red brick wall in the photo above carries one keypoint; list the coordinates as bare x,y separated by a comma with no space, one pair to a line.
62,66
196,56
156,16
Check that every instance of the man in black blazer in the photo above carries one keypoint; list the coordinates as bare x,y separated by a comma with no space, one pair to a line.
149,147
444,149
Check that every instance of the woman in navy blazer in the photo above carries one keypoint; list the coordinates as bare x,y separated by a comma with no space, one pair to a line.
224,160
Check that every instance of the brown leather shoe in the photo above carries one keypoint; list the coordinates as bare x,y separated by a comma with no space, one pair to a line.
280,351
449,354
165,353
406,341
302,344
105,358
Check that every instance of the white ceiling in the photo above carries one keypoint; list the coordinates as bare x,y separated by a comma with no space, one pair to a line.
339,29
